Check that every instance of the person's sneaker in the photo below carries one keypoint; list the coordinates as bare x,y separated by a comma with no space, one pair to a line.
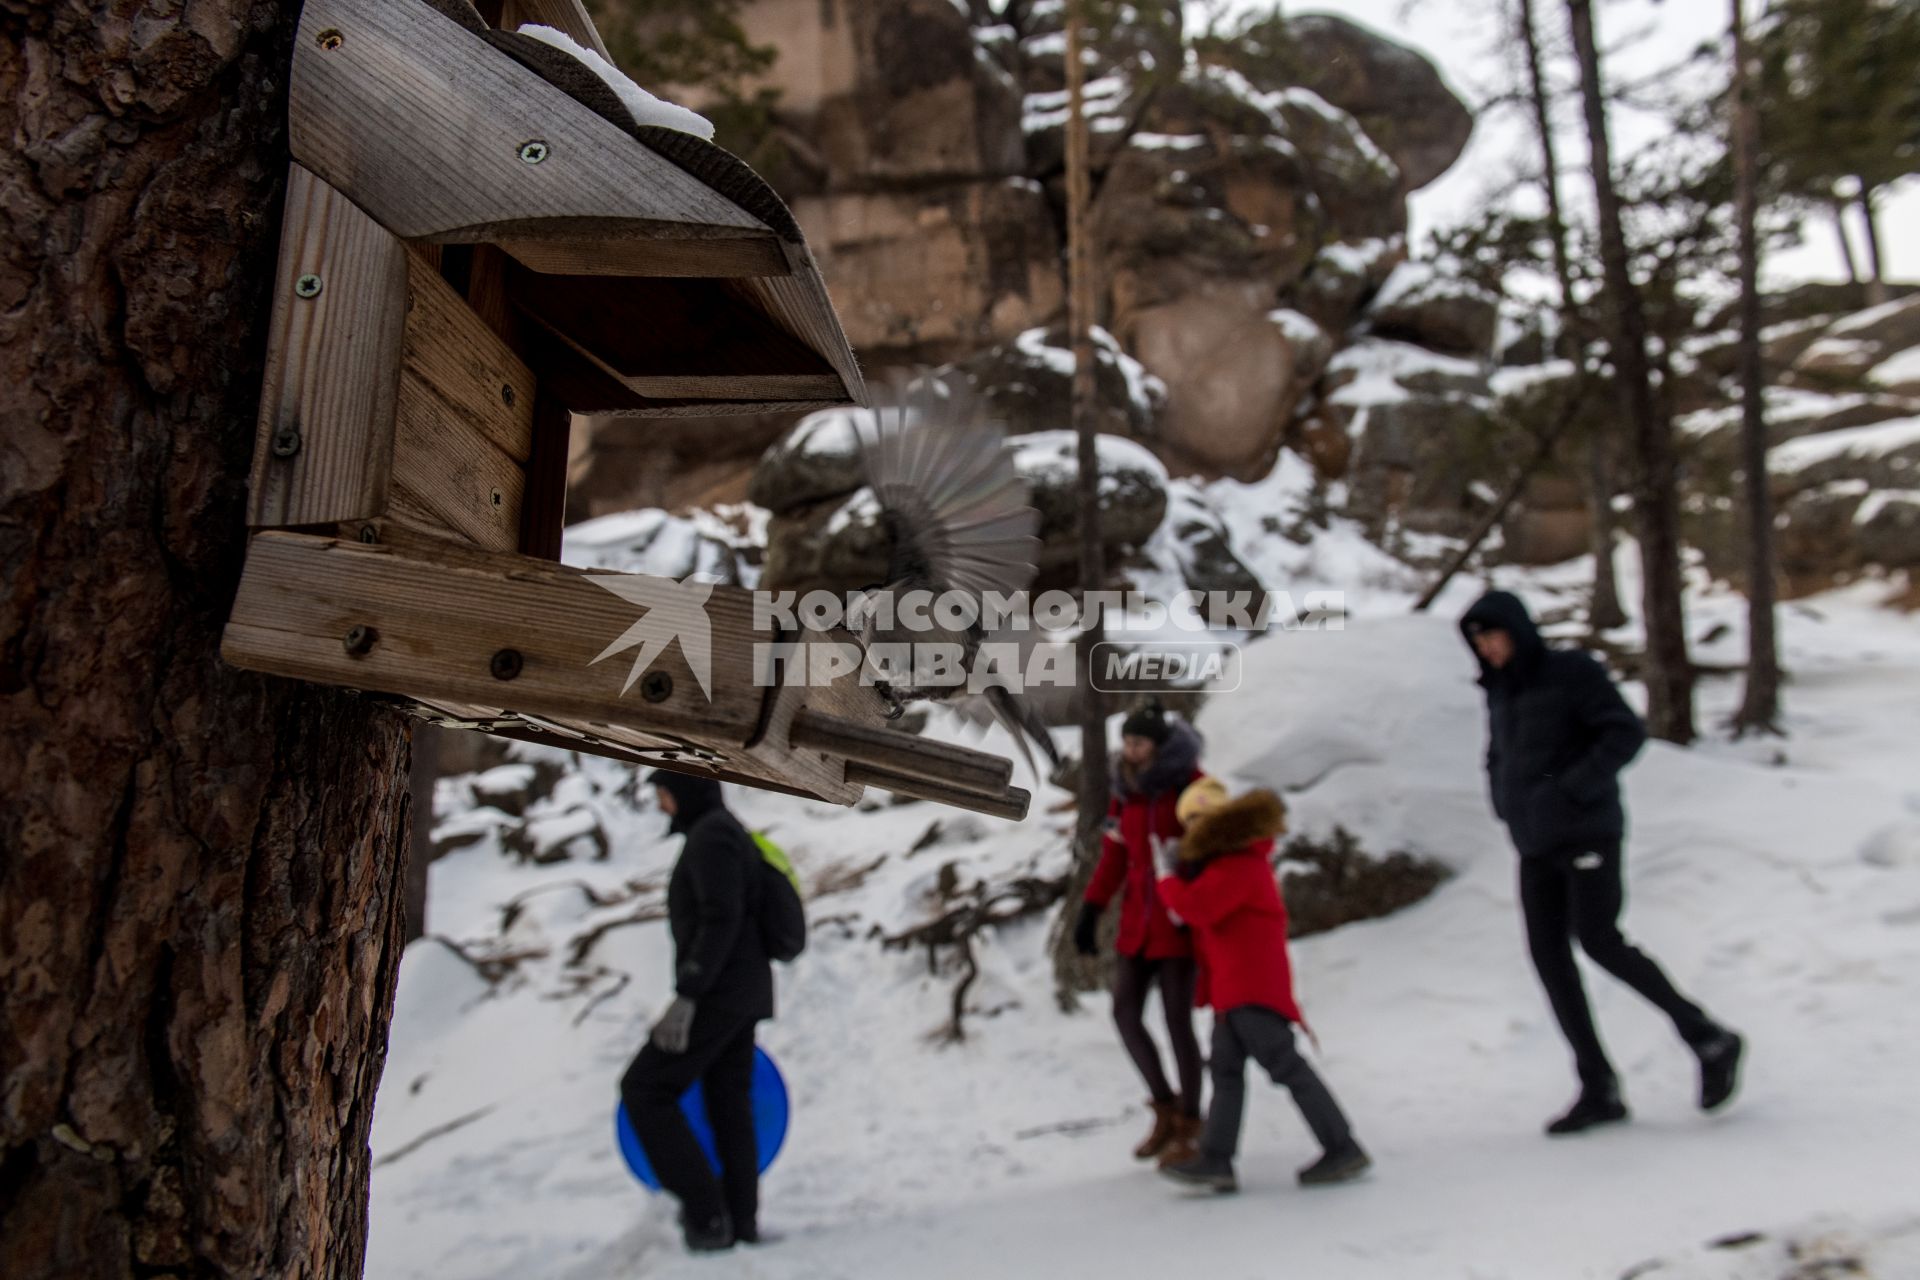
1592,1110
1203,1172
715,1235
1344,1165
1720,1069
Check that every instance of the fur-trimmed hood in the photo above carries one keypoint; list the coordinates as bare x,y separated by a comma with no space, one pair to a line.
1257,815
1173,763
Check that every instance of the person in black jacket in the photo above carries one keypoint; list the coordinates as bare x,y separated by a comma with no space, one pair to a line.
1558,735
723,987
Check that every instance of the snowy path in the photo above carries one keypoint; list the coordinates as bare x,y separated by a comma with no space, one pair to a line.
1786,897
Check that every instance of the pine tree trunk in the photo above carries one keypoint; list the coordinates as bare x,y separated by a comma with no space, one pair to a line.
1760,706
1839,212
1603,603
1870,214
199,868
1073,970
1669,671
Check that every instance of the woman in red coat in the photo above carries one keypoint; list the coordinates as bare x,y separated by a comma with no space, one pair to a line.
1158,758
1220,880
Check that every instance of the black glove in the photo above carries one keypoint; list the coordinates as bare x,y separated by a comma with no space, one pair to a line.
1086,930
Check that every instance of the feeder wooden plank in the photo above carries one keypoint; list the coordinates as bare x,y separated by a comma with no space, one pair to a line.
798,302
333,364
706,258
543,514
441,620
425,126
452,475
456,366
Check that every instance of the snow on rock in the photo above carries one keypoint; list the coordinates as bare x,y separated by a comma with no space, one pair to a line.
1378,371
1419,304
819,458
712,546
1900,374
645,108
1809,459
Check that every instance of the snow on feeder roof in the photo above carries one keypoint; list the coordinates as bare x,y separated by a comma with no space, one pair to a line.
486,232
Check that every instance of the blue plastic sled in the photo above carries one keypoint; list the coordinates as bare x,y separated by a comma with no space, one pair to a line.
770,1112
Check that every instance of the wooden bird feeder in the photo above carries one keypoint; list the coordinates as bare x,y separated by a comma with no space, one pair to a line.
480,242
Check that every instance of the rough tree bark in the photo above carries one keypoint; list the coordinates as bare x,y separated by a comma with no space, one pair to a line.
1603,601
1760,704
199,868
1072,970
1669,671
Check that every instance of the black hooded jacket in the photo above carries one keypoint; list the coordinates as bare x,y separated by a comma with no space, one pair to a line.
713,905
1558,734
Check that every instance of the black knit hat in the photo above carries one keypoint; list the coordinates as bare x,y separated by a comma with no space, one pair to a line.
1148,719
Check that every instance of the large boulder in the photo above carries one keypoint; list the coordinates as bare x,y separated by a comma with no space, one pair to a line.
1398,97
1343,277
936,273
1423,431
1133,492
1028,385
1197,545
1419,305
888,91
818,459
1232,372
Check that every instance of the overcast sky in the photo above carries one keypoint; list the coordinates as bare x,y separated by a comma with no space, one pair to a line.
1460,36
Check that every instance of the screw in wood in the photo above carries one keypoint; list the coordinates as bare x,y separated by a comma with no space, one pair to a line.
656,686
307,286
330,39
506,664
506,395
497,496
534,151
286,442
369,534
360,640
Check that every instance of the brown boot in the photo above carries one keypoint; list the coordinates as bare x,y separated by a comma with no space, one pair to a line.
1165,1116
1183,1147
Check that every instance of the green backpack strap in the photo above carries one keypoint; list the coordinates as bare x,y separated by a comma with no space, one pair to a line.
776,857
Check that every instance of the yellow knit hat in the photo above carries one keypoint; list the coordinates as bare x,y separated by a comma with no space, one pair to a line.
1204,796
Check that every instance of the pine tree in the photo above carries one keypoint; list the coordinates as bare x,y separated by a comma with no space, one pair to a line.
1839,104
1669,669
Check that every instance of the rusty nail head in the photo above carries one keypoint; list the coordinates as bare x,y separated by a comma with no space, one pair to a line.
656,686
533,152
286,442
330,39
360,640
307,286
506,664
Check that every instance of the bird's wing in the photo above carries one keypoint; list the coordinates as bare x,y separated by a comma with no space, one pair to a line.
960,514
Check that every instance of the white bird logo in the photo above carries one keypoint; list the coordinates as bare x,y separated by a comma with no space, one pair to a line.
672,611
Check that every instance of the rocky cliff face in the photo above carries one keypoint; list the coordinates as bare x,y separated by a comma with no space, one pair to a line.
1250,204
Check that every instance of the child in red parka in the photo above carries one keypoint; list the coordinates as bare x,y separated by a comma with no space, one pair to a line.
1219,879
1159,757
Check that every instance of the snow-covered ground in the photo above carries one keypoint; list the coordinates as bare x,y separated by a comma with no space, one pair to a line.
1778,880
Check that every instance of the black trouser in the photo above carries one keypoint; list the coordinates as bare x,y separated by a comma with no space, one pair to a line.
1133,977
1578,894
1254,1031
720,1056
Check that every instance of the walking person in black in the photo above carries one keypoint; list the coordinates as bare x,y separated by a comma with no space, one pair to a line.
723,987
1558,735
